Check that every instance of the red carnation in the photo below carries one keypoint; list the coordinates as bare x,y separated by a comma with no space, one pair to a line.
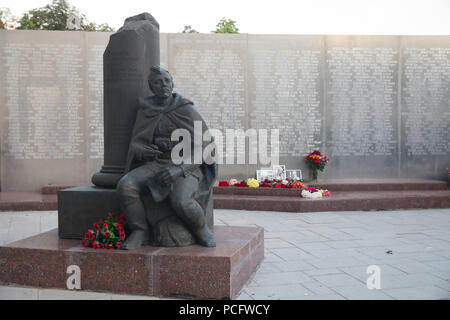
241,184
122,235
107,234
105,226
96,225
224,184
118,244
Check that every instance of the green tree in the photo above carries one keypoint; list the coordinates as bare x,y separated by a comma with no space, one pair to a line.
59,15
189,29
226,26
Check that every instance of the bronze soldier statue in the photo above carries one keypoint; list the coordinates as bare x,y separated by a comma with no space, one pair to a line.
152,175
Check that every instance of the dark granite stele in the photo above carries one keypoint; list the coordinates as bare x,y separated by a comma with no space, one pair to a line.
192,272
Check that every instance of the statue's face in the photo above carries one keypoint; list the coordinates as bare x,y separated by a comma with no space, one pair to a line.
161,85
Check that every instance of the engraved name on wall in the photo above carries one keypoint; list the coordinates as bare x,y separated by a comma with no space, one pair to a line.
361,98
95,102
426,101
43,93
285,91
210,71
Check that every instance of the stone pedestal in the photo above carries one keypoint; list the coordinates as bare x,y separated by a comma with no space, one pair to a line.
191,272
80,207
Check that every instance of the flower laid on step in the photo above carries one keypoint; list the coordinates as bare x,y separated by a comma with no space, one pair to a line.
298,185
252,183
223,184
326,193
108,233
311,195
241,184
265,185
233,182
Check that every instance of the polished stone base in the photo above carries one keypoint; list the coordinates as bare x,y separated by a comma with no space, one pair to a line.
190,272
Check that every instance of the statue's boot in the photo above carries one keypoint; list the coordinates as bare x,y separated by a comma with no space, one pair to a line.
205,237
135,240
135,218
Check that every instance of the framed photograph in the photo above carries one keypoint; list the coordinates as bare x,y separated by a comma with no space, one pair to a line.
279,172
264,174
294,174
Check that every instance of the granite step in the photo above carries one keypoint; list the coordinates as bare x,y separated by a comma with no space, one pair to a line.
357,185
339,201
383,194
27,201
332,185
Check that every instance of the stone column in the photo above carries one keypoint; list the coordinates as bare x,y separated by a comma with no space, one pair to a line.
127,60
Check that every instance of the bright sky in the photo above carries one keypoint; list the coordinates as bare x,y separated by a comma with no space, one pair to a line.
420,17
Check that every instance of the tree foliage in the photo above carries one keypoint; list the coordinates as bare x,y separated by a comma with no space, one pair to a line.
189,29
226,26
59,15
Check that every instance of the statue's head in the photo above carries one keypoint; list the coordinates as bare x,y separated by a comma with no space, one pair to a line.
160,82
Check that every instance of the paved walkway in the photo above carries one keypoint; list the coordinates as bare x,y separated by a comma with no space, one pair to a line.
322,255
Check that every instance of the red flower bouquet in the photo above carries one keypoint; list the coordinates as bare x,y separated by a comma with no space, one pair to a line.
107,233
224,184
316,160
242,184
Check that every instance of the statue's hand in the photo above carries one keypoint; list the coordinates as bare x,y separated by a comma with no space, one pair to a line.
169,175
150,153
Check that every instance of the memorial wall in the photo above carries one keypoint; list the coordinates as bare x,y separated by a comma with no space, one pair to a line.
377,106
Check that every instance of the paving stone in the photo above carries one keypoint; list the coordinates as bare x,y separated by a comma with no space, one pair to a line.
412,280
244,296
339,280
274,292
411,266
423,256
53,294
269,267
282,278
310,247
362,293
18,293
277,243
287,266
336,253
329,263
419,293
318,288
325,297
291,254
318,272
360,272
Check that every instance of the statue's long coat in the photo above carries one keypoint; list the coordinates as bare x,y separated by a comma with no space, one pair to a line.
182,114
